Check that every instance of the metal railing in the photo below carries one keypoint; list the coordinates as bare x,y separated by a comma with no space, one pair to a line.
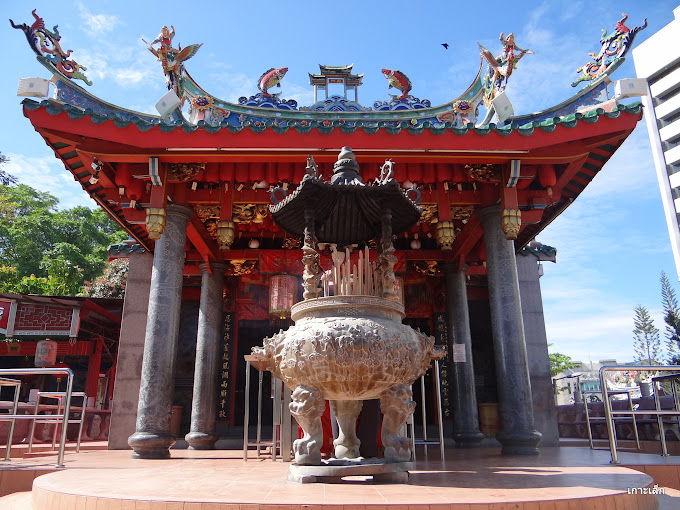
591,419
59,396
54,418
610,413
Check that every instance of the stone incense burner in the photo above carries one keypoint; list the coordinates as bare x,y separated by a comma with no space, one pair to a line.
348,343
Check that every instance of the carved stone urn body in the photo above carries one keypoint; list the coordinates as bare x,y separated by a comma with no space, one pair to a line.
348,349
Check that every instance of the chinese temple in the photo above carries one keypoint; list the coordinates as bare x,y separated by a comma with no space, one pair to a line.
210,273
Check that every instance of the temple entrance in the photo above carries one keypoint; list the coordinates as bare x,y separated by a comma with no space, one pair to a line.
250,334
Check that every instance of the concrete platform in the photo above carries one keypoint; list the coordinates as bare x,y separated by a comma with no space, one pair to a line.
479,479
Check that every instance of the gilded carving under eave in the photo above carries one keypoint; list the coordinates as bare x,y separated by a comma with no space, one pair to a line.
292,243
241,267
205,212
184,171
249,213
429,214
484,173
462,213
211,226
427,267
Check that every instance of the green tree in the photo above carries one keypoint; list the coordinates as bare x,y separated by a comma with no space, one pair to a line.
646,342
111,284
560,362
50,251
5,178
671,316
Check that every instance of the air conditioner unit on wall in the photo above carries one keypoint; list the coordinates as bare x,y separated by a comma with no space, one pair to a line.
501,103
630,87
33,87
168,103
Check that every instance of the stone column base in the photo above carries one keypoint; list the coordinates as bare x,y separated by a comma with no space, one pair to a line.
149,445
468,438
519,442
201,441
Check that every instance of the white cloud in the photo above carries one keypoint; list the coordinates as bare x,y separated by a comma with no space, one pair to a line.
131,77
97,24
131,67
48,174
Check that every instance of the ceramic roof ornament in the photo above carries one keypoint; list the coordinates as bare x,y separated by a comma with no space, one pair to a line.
45,44
499,70
399,81
172,59
271,78
612,53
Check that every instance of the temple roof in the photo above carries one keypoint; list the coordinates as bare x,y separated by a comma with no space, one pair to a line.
223,158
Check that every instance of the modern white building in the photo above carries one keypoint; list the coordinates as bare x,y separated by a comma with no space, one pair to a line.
657,60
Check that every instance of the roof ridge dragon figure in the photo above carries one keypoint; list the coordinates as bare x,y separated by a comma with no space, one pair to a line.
45,44
612,53
171,59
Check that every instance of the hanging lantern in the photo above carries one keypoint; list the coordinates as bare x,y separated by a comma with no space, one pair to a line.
45,353
399,289
225,233
283,292
446,234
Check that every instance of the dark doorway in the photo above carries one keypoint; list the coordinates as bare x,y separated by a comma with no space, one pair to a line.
251,333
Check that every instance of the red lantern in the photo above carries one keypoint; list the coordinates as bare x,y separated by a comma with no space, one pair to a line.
546,176
123,176
283,292
212,173
226,172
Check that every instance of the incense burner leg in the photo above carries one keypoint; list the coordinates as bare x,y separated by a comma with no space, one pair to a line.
346,412
307,406
396,405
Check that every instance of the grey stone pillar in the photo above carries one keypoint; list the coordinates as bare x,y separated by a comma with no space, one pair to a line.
518,435
153,439
466,431
545,413
208,349
130,350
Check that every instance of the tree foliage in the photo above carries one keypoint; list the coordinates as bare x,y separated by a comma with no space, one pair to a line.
671,316
560,362
112,282
48,251
5,178
646,342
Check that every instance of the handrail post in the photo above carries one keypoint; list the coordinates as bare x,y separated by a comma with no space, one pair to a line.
608,417
67,410
659,420
590,432
15,407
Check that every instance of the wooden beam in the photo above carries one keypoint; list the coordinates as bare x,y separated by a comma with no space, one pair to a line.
200,238
467,239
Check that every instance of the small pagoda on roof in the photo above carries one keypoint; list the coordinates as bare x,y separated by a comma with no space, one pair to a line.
335,75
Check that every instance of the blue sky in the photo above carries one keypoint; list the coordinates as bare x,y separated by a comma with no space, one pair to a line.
612,242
